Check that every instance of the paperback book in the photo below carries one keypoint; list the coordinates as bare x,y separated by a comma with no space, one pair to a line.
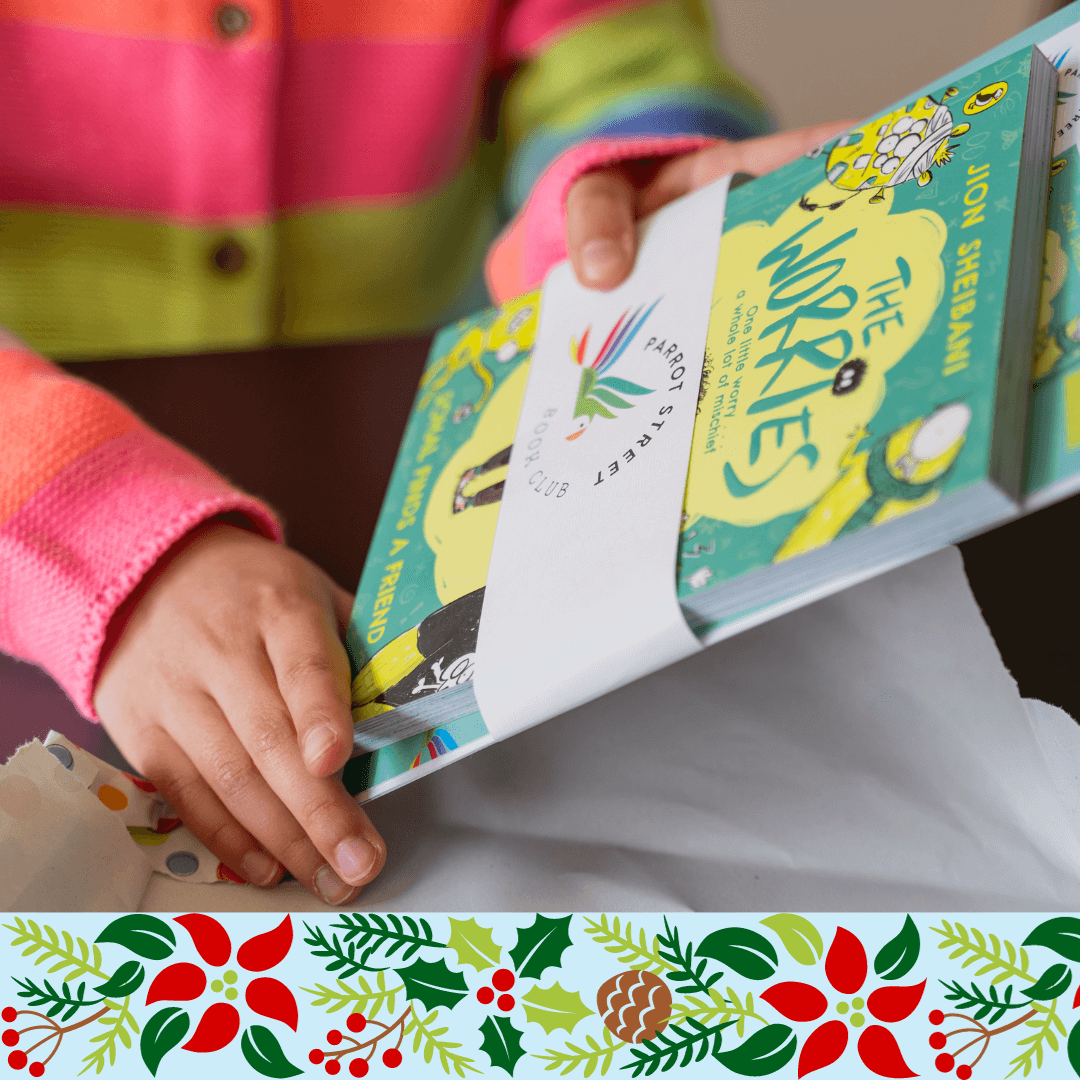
864,400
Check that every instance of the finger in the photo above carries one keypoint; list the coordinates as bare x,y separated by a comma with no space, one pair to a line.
172,772
224,763
320,805
312,673
755,156
600,232
342,603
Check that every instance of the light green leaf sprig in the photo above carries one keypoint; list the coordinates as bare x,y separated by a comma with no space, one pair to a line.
719,1009
75,954
1043,1035
1014,965
364,999
115,1029
568,1060
642,955
429,1038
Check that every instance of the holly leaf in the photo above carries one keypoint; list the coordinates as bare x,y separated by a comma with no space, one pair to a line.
897,957
473,944
143,935
502,1043
433,984
264,1053
766,1051
554,1008
541,946
127,978
744,951
1060,935
164,1030
798,935
1053,982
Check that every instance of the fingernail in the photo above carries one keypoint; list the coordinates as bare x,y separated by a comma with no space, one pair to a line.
602,259
259,868
331,888
316,742
354,858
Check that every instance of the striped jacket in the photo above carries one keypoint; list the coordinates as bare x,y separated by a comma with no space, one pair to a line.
185,175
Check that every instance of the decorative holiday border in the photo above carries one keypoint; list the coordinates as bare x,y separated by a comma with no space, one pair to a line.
782,995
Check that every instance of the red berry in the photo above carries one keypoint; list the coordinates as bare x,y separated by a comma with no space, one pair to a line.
936,1016
506,1003
333,1066
11,1037
9,1015
502,979
358,1066
391,1058
357,1022
37,1068
17,1059
945,1062
963,1072
937,1040
333,1037
485,995
316,1056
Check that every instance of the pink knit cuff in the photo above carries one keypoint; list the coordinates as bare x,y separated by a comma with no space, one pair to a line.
72,553
535,240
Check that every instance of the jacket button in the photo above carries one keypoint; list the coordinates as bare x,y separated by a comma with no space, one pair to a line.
232,20
229,257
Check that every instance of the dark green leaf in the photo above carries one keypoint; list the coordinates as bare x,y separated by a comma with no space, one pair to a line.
1074,1048
164,1030
897,957
433,984
502,1043
766,1051
125,980
1053,982
264,1053
143,935
541,946
1060,935
744,951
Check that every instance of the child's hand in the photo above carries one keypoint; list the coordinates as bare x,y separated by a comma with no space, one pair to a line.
229,689
603,205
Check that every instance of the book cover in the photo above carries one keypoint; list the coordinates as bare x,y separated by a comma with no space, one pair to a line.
1053,460
850,380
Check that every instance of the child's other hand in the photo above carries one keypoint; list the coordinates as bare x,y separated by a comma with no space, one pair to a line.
603,205
228,687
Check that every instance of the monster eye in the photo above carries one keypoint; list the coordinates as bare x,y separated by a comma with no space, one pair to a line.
848,377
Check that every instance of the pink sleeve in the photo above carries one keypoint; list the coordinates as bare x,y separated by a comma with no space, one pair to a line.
90,498
535,239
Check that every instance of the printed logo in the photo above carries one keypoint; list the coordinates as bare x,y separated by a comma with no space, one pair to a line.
598,393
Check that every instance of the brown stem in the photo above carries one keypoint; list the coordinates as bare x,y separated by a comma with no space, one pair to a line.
59,1032
386,1029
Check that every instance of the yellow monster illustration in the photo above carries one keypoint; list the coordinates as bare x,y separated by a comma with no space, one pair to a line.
512,331
459,523
904,145
901,472
810,315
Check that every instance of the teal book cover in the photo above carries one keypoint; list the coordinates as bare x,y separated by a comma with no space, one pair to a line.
850,379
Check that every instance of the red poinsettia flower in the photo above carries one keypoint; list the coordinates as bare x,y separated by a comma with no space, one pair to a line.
221,1021
845,968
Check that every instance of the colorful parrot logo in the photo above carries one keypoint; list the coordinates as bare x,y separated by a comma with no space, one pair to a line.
597,396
